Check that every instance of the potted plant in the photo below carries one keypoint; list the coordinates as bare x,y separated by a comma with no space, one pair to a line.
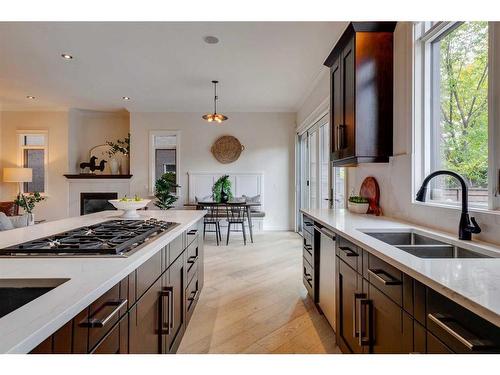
121,146
27,202
222,190
165,188
358,204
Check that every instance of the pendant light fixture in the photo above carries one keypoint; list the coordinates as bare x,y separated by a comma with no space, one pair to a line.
217,117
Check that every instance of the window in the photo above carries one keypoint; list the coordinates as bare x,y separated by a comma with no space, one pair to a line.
33,154
339,183
451,108
164,155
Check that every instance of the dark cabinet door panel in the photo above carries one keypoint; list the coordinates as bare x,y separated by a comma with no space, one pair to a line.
349,290
391,328
115,341
347,131
336,115
144,322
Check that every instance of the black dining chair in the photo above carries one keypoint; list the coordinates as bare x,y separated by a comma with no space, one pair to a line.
211,219
235,215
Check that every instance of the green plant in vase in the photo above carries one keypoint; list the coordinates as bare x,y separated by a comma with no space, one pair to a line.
165,188
222,190
28,202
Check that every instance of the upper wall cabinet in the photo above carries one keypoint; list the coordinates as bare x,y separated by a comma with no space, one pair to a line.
361,86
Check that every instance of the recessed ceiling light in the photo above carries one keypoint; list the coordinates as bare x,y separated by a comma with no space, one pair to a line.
125,97
30,97
66,56
210,39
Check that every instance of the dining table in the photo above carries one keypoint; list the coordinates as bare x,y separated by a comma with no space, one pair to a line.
248,209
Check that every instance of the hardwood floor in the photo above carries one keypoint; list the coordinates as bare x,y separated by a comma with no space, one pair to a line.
253,301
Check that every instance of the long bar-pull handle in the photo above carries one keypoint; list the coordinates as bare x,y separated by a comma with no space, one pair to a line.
99,323
452,327
167,292
348,251
384,277
355,332
365,316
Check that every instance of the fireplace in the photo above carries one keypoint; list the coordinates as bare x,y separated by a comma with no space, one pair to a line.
96,202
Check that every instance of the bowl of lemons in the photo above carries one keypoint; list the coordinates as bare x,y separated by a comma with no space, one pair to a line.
130,206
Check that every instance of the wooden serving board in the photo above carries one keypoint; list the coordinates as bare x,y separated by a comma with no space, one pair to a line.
369,189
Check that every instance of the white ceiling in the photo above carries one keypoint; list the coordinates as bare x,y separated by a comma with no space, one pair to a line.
162,66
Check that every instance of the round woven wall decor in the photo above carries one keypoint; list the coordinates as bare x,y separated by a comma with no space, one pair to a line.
227,149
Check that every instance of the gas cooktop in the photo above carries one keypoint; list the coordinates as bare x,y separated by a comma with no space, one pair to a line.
110,238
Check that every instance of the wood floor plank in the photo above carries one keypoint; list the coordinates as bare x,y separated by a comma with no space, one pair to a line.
254,301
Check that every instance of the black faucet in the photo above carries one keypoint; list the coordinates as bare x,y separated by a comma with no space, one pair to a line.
465,229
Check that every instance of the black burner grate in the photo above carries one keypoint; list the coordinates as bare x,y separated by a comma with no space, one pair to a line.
113,237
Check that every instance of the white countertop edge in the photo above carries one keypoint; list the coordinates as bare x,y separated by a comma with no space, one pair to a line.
53,323
454,295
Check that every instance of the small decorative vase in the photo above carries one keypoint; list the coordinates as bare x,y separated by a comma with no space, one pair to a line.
124,165
31,219
114,166
357,208
224,197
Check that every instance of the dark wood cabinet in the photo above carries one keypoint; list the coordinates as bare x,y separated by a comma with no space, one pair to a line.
389,329
145,313
349,293
361,94
173,317
115,341
144,322
310,260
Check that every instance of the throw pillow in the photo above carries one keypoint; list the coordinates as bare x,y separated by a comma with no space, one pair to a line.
5,223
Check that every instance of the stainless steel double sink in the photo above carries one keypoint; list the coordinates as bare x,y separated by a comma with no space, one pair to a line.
422,246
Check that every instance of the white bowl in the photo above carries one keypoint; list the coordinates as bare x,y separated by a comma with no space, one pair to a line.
358,208
130,207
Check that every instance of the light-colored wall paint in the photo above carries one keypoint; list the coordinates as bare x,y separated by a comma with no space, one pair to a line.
56,123
269,148
88,129
395,177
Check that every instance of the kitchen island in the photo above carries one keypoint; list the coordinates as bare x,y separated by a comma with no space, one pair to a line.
83,281
376,280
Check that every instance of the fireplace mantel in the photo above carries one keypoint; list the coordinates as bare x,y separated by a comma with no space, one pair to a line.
97,176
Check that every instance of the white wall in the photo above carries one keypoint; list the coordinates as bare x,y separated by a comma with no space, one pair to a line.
269,148
395,177
56,123
88,129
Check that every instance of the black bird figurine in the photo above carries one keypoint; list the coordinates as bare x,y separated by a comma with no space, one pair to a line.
92,165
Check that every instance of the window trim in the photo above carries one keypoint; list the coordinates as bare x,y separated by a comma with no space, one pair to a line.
152,150
423,34
20,155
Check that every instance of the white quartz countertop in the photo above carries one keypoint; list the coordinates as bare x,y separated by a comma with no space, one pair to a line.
89,278
473,282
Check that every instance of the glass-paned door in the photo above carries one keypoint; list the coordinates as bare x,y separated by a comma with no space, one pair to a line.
314,168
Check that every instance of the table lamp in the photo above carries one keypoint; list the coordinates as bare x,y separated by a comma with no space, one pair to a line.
19,175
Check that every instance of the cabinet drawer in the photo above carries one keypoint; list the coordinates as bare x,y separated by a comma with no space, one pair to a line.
104,313
308,277
147,273
308,254
191,297
349,253
192,260
435,346
176,247
192,234
458,328
388,279
308,224
115,341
